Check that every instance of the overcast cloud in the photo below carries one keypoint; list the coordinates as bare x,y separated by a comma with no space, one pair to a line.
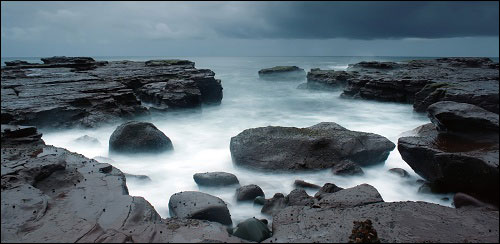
249,28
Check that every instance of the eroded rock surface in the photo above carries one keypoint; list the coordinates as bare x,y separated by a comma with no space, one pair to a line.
282,73
317,147
199,205
78,91
49,194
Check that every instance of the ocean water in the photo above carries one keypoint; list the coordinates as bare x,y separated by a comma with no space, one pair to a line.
201,138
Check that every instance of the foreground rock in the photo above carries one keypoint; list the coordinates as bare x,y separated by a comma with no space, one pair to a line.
317,147
249,193
138,137
408,222
253,230
199,205
454,161
424,82
49,194
79,91
282,73
215,179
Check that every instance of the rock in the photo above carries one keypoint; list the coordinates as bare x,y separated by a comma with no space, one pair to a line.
282,73
215,179
356,196
326,189
50,194
138,137
363,232
401,222
100,92
462,118
327,79
462,200
144,178
199,205
347,167
423,82
17,63
88,140
249,193
260,200
276,203
316,147
299,197
169,62
453,162
303,184
400,172
252,229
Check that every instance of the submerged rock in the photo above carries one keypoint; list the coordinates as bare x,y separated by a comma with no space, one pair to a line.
400,172
87,140
215,179
317,147
347,167
282,73
249,193
303,184
138,137
199,205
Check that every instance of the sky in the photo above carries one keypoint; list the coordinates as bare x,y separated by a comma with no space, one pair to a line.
461,28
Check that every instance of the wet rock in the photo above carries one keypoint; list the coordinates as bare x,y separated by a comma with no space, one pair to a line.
347,167
260,200
276,203
363,232
249,193
326,189
88,140
54,195
199,205
408,222
316,147
299,197
17,63
400,172
303,184
215,179
462,200
169,62
327,79
144,178
462,117
282,73
101,92
454,162
138,137
252,229
375,65
351,197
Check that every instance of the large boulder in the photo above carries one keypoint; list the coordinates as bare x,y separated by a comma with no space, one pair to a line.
249,193
252,229
282,73
355,196
215,179
138,137
317,147
199,205
462,117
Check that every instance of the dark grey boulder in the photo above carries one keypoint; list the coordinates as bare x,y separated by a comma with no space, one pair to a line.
347,167
400,172
260,200
462,117
303,184
199,205
252,229
299,197
215,179
327,79
356,196
169,62
326,189
138,137
249,193
282,73
317,147
87,140
276,203
462,200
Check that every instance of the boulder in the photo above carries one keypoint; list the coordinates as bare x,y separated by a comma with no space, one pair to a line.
88,140
138,137
347,167
317,147
363,194
199,205
276,203
215,179
169,62
462,118
303,184
252,229
144,178
282,73
327,79
297,197
461,200
400,172
326,189
249,193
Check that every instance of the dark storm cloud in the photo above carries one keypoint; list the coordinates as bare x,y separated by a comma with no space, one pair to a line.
373,20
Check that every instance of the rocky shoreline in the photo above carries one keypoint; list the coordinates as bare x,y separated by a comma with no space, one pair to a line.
51,194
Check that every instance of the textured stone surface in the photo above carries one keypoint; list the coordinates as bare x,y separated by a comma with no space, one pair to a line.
249,193
199,205
138,137
316,147
78,91
215,179
282,73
